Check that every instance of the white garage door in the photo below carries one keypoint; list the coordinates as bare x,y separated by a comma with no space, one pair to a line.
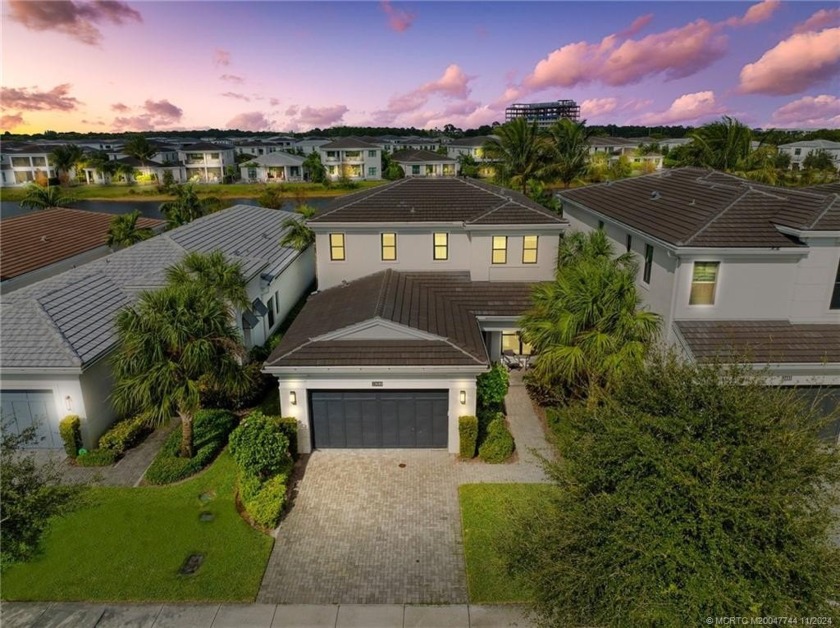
22,409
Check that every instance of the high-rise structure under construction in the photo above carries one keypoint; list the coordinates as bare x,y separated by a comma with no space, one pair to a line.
544,113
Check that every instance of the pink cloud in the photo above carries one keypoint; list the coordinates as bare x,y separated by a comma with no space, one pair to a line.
157,114
453,84
292,110
638,24
273,101
794,64
757,13
28,99
10,121
595,107
118,106
686,108
467,117
809,112
252,121
232,78
322,117
221,57
163,109
236,96
76,19
398,20
819,20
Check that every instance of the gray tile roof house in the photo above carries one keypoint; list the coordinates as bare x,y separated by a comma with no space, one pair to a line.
350,143
67,321
409,155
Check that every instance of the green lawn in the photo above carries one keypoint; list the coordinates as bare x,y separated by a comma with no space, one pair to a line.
128,544
486,510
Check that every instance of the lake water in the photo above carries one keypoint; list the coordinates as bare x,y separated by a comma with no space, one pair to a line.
150,209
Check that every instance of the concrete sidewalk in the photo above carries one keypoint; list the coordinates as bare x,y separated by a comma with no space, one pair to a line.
81,615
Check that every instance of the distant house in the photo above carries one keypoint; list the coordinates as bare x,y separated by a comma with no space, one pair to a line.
351,158
311,144
58,334
26,163
424,163
276,167
474,147
798,151
206,162
42,244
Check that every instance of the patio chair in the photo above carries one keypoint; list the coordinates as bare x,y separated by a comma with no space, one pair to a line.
510,361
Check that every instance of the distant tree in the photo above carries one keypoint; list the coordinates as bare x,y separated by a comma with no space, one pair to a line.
66,158
467,166
518,152
140,148
620,168
299,235
539,193
724,144
819,160
102,164
186,206
271,197
569,151
38,197
124,231
215,274
317,171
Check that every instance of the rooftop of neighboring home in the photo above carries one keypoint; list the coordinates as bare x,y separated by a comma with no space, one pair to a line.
67,321
277,159
438,200
43,238
692,207
205,146
819,144
409,155
349,143
471,142
436,311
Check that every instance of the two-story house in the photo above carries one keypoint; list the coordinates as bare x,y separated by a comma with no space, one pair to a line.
425,163
276,167
421,286
205,162
473,147
351,158
738,271
27,163
798,151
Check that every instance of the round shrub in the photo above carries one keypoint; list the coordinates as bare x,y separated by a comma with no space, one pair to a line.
498,446
259,446
266,506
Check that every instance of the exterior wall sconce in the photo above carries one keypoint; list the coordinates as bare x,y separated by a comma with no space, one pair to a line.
68,403
463,397
293,397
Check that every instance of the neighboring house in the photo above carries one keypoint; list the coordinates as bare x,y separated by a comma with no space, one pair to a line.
206,162
415,143
798,151
424,163
265,147
58,334
735,269
422,285
26,163
146,171
351,158
276,167
311,144
474,147
44,243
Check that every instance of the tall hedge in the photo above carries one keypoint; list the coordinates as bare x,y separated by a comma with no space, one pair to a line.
468,435
70,429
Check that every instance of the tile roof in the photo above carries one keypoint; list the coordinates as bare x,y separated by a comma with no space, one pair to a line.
696,207
67,320
471,142
762,342
348,143
409,155
437,200
278,159
205,146
442,304
41,238
820,144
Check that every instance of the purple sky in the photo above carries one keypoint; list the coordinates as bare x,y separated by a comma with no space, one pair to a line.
108,65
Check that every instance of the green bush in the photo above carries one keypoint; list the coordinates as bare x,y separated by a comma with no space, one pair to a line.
266,506
260,446
210,432
212,397
289,425
97,458
499,445
491,387
125,434
468,432
70,429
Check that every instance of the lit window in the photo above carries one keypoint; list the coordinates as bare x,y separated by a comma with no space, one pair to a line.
703,283
499,250
337,247
648,263
529,249
389,247
441,246
512,343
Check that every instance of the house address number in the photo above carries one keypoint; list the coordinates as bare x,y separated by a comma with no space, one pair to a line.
376,384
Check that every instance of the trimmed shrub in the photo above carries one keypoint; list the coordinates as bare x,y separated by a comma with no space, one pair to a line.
126,434
499,445
259,384
289,425
260,446
210,432
97,458
491,387
266,506
468,432
70,429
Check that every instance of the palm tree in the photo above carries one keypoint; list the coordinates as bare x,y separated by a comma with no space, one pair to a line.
124,231
185,208
520,152
38,197
299,235
169,340
724,144
586,326
214,273
65,158
569,144
102,164
140,148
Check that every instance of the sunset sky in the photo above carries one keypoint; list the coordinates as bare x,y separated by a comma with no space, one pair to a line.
109,65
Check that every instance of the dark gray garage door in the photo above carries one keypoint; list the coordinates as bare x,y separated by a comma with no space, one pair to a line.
368,419
22,409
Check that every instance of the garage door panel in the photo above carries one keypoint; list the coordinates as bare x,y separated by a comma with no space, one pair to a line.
21,410
353,433
389,422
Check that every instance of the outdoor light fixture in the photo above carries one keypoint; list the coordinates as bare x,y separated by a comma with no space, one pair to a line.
293,397
68,403
463,397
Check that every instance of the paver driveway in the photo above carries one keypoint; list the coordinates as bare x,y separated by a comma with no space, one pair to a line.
366,530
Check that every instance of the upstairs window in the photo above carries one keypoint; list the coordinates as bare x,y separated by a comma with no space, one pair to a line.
337,247
835,295
529,249
441,246
371,153
271,312
499,250
648,264
703,283
389,247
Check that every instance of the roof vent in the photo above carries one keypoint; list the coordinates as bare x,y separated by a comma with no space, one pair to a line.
44,239
693,202
654,195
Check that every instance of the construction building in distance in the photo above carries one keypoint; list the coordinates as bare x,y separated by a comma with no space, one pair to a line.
544,113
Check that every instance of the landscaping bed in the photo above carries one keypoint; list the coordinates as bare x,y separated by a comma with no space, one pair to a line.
129,544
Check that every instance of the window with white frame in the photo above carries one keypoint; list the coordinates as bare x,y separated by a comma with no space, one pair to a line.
703,283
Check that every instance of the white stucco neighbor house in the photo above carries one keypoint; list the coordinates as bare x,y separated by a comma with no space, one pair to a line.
276,167
58,334
421,285
425,163
352,158
798,151
737,270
